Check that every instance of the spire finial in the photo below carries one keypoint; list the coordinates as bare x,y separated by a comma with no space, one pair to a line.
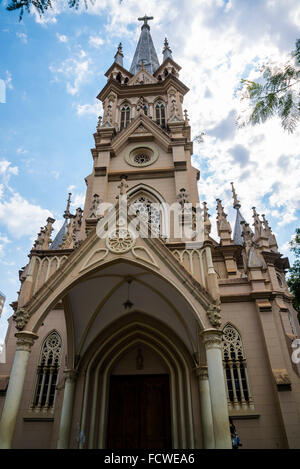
119,55
236,202
166,44
67,213
167,51
146,19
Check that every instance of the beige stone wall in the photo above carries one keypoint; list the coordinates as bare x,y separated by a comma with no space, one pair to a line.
37,434
266,430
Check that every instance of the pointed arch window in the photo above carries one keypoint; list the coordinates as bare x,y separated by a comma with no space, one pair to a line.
47,372
125,116
149,212
235,370
160,114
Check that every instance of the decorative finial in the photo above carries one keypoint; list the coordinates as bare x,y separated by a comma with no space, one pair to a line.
99,123
146,19
167,53
257,224
67,213
236,202
206,215
119,55
207,224
166,44
186,119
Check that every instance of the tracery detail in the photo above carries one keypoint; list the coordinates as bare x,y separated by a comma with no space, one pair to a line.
235,369
148,212
47,373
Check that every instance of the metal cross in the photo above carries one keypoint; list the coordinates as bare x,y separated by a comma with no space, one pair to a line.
146,19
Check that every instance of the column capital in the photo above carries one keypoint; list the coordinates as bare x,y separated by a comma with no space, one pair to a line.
202,372
71,375
212,338
25,340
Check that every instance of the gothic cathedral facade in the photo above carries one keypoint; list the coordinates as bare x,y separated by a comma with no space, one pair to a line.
125,341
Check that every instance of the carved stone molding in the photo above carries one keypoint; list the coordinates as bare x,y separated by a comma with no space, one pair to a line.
212,338
21,318
25,340
214,315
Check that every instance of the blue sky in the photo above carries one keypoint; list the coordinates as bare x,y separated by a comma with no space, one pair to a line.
54,67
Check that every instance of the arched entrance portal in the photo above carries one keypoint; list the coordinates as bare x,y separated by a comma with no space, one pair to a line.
137,391
139,413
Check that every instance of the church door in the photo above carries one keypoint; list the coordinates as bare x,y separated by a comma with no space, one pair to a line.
139,412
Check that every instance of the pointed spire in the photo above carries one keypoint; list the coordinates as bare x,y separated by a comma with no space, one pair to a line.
167,53
271,237
119,55
44,237
67,213
145,51
223,225
237,234
257,224
236,202
207,223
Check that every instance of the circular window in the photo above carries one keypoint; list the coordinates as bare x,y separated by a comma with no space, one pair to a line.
141,156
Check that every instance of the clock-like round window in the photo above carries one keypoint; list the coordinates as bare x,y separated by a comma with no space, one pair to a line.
141,156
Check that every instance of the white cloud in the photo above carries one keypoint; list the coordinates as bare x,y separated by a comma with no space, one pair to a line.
6,171
21,151
96,41
21,218
78,200
62,37
8,80
22,37
76,70
55,174
88,109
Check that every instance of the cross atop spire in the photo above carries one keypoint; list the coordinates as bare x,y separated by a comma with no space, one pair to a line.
145,51
146,19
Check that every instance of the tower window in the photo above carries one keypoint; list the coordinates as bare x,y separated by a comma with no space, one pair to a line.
160,114
149,213
47,372
235,370
125,116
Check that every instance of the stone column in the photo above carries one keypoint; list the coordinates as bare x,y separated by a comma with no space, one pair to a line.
213,345
67,407
25,340
205,406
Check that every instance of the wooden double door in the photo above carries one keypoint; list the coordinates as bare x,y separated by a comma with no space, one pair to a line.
139,412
